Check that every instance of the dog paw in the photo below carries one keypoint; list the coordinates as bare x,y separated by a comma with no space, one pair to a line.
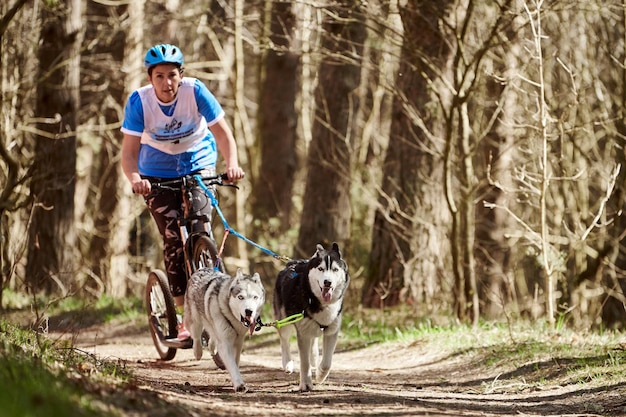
197,350
218,361
306,383
241,388
288,367
306,387
321,374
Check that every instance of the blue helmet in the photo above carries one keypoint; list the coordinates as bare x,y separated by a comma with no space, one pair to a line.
163,54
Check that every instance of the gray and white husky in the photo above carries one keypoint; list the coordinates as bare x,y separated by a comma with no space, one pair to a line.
226,308
315,287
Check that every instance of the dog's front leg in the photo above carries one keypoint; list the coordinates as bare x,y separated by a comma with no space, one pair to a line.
328,348
238,348
194,324
315,355
285,348
228,357
215,354
305,344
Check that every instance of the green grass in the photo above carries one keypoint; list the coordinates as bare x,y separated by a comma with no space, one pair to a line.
519,356
39,378
370,326
12,300
75,311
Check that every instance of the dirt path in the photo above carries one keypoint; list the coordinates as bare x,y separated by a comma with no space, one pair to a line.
382,380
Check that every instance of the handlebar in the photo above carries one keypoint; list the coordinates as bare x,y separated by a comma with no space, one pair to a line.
208,180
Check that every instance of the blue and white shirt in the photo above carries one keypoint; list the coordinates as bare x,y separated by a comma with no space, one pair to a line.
175,137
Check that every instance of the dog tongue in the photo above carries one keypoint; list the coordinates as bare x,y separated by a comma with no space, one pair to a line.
251,327
327,294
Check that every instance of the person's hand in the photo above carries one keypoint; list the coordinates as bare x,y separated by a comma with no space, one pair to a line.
235,174
142,187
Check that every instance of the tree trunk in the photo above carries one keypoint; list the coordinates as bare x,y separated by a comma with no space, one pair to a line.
273,188
407,252
326,206
277,126
18,39
107,253
51,257
373,122
611,261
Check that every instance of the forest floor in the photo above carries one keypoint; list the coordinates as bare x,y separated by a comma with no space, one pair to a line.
418,378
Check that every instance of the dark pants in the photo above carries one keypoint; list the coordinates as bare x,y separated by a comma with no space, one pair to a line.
166,208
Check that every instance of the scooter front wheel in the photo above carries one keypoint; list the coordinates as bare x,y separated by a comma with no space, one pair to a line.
161,313
205,255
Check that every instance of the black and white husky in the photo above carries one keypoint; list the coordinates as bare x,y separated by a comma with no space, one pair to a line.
315,287
227,308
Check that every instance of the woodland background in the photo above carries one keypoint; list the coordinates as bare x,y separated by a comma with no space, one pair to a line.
466,155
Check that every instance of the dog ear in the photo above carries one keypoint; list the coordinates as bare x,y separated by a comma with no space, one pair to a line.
336,248
256,277
239,274
318,252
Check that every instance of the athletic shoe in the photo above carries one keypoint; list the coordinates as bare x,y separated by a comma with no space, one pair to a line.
183,334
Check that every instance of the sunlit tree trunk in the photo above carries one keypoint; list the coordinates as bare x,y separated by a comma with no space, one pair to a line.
408,250
103,63
381,57
52,234
273,188
11,177
610,263
326,206
494,251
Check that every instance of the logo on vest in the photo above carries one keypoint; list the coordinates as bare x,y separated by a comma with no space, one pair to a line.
173,127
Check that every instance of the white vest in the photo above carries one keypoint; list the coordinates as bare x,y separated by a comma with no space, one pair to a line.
179,132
